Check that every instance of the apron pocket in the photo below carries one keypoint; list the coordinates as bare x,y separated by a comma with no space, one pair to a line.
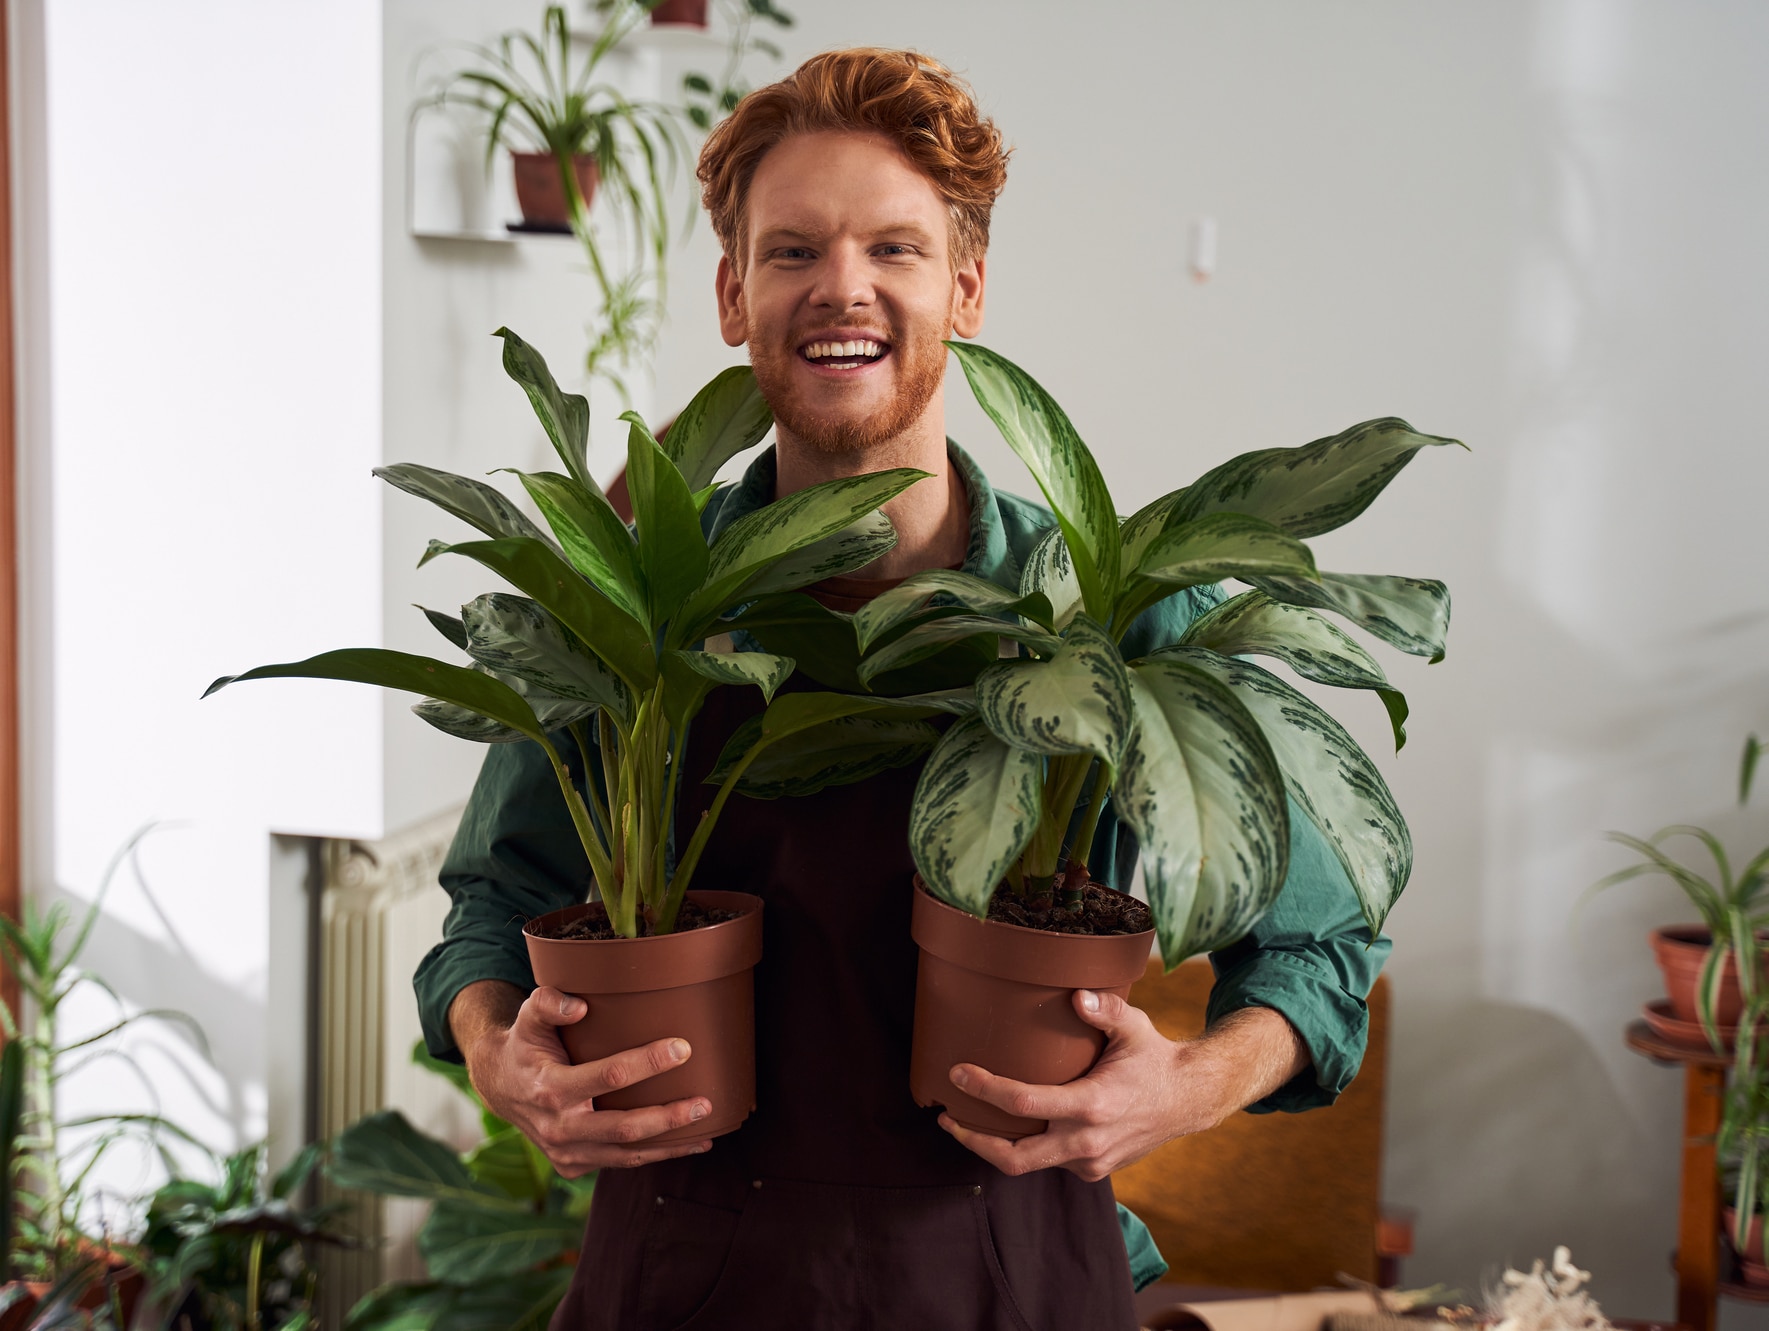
687,1247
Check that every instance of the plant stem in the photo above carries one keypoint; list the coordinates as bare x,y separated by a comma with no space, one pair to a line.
678,887
1062,787
254,1272
600,865
1075,883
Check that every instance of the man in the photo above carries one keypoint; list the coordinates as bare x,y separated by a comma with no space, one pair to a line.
852,200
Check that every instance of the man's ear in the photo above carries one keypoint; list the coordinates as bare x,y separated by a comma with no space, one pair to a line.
728,291
967,297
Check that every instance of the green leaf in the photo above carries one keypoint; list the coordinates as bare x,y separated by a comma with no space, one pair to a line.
1050,573
1252,624
1332,779
924,640
767,672
551,711
385,1154
1140,530
672,548
1747,766
465,724
516,636
793,624
449,626
976,807
523,1302
290,1178
1314,488
1224,545
1203,793
564,416
473,502
592,535
1036,429
726,417
905,602
1412,614
1076,702
603,627
853,547
838,752
502,1161
459,685
756,541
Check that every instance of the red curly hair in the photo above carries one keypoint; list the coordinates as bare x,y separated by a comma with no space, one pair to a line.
916,102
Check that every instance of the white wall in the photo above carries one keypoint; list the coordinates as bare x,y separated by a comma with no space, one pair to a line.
1537,227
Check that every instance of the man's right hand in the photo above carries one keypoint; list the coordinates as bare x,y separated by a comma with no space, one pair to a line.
519,1067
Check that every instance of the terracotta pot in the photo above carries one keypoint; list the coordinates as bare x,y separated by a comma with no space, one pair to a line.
1750,1268
1001,996
541,194
689,12
698,986
128,1282
1681,950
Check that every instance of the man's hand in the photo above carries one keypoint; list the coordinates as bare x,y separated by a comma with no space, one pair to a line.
1144,1091
520,1069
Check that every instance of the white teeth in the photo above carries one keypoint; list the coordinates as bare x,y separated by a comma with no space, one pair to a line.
821,350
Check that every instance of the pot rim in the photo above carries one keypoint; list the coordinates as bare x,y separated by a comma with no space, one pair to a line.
629,965
1031,956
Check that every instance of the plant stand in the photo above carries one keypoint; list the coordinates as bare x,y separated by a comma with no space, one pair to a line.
1700,1279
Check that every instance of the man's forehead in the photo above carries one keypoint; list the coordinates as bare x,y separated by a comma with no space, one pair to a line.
818,183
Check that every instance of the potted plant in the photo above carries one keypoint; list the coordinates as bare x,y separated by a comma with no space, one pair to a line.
600,663
1704,983
570,132
1197,745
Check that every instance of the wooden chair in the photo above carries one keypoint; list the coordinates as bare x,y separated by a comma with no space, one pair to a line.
1272,1202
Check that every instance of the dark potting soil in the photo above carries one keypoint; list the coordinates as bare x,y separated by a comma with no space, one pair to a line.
593,924
1102,912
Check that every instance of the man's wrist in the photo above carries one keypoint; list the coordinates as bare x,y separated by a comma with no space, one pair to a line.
1240,1059
485,1007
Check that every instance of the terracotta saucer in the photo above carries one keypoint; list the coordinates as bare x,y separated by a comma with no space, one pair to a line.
1666,1024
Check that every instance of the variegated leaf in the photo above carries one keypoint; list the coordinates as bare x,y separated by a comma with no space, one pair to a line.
1332,779
853,547
765,671
1252,624
592,535
1078,701
449,626
672,548
976,807
552,711
530,566
756,541
462,723
1203,794
904,603
1036,428
1224,545
1050,573
724,418
1314,488
836,753
1140,529
515,636
473,502
925,640
1412,614
564,416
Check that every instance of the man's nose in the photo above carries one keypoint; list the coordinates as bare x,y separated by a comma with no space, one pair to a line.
844,280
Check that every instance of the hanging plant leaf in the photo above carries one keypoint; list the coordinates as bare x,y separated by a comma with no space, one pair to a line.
976,807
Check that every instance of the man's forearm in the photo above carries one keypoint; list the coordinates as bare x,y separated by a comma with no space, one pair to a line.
483,1007
1240,1059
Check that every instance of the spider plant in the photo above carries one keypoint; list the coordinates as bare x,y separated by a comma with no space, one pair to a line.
1197,745
536,98
603,648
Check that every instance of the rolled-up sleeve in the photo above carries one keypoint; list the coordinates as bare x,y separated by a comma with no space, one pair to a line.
516,855
1310,958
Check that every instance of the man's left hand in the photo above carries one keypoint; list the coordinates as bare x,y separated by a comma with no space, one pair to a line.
1144,1091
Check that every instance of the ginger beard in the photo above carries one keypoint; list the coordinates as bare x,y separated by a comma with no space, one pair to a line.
830,426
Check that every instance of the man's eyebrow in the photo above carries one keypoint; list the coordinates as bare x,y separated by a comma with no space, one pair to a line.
786,232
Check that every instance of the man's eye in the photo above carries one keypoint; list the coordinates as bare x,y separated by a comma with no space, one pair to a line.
793,252
893,250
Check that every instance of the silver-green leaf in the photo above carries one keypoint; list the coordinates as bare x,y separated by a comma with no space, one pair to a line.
836,753
564,416
1412,614
905,602
1050,573
853,547
925,640
516,636
1078,701
1202,792
592,536
1224,545
473,502
976,807
726,417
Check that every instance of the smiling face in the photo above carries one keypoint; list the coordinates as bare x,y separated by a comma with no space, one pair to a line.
847,291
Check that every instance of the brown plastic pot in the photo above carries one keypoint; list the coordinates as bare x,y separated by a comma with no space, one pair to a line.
1682,949
1752,1270
125,1279
541,194
1001,996
689,12
698,986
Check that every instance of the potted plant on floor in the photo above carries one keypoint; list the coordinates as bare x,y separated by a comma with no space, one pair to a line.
1197,746
599,663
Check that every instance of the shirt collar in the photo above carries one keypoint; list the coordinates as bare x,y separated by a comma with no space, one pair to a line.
987,555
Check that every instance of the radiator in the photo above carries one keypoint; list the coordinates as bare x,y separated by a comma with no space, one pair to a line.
380,911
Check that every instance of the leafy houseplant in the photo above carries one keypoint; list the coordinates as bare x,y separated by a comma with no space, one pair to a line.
708,99
571,131
1197,746
500,1241
603,646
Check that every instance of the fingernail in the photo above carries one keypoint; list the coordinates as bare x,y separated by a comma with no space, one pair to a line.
1089,1000
679,1050
960,1077
569,1007
701,1109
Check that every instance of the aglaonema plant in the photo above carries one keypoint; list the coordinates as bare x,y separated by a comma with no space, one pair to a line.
604,642
1196,745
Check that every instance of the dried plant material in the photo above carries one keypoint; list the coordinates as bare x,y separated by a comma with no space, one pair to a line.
1547,1298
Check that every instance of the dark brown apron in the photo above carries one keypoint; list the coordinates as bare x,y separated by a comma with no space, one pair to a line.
839,1203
